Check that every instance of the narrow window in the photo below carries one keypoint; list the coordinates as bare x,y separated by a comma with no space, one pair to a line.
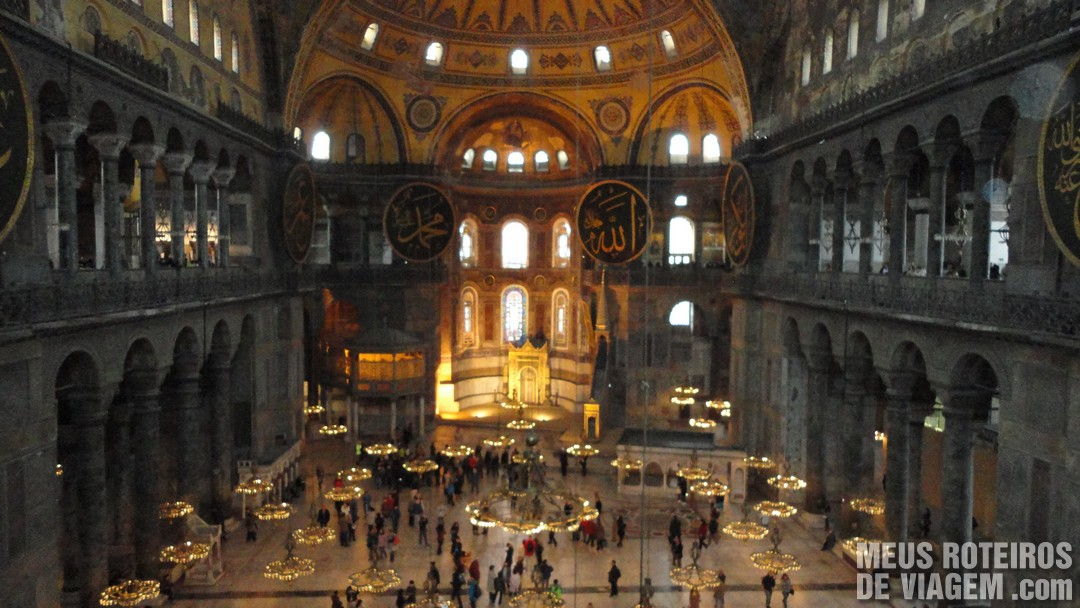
560,307
681,200
491,159
519,61
853,35
370,34
680,241
602,55
354,148
541,160
560,257
193,21
514,307
564,159
235,53
882,19
320,146
219,46
515,162
515,245
918,9
297,134
467,158
468,318
434,54
167,15
467,244
682,315
710,148
668,42
678,149
826,55
806,67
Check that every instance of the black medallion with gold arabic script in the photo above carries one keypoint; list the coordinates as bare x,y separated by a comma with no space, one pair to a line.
419,222
738,213
613,222
1059,166
298,212
16,141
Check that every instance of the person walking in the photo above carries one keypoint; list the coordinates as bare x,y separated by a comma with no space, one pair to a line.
676,552
474,593
695,597
718,595
410,593
440,536
786,588
433,580
421,526
335,600
491,575
251,525
556,589
620,530
613,577
500,587
768,583
399,601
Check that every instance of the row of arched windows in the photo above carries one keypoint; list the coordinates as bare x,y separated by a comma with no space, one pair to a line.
679,149
168,16
322,145
514,316
515,160
514,246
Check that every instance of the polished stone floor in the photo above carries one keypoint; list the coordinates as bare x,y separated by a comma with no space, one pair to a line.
823,582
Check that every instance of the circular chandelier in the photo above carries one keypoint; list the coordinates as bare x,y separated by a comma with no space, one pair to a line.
185,553
759,462
313,535
274,512
289,569
502,441
313,410
380,449
333,430
536,598
775,508
787,482
710,487
582,451
374,580
745,530
513,403
522,458
870,506
429,601
254,486
131,592
344,493
852,544
521,424
456,451
695,577
775,561
627,464
716,404
693,473
420,466
175,510
702,423
354,474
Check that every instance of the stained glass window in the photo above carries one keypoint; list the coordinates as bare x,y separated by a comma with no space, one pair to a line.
514,302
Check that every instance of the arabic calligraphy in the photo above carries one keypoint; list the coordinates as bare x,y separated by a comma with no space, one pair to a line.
613,221
737,211
1059,167
419,222
16,141
299,209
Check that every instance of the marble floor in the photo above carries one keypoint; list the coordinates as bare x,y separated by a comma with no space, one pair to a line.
823,582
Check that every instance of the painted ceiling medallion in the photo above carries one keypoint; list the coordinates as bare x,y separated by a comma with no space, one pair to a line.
612,114
423,113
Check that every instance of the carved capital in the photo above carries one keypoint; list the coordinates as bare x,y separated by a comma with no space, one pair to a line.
147,154
223,176
64,132
200,171
108,145
176,162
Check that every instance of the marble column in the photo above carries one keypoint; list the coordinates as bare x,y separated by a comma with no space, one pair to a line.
917,413
936,211
897,469
869,192
145,436
176,164
217,398
817,395
63,134
897,205
818,214
841,193
222,178
148,156
957,480
118,479
851,421
980,222
109,146
193,458
200,173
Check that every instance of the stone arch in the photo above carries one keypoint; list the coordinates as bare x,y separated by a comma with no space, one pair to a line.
174,141
102,119
344,103
53,103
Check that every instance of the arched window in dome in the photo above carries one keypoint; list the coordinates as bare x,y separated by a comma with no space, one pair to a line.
193,22
515,304
490,160
91,20
560,318
681,241
602,55
519,61
681,200
370,34
541,161
678,149
710,148
853,35
168,16
682,315
918,9
354,149
806,63
515,162
882,19
298,134
219,44
434,54
320,146
467,243
468,317
515,245
468,158
827,53
235,53
668,42
560,243
564,159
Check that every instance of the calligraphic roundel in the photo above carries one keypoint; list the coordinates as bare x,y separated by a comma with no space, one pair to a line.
16,141
419,222
298,212
613,222
737,213
1059,165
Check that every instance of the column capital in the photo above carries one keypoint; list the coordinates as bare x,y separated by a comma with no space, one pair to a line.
63,132
176,162
986,145
222,176
200,171
899,164
146,153
108,145
964,404
819,359
901,383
